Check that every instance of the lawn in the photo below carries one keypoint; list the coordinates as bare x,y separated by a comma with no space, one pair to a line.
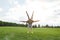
20,33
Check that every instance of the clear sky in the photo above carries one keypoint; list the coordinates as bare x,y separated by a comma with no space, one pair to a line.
47,11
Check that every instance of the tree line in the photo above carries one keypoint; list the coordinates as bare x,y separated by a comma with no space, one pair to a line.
2,23
10,24
46,26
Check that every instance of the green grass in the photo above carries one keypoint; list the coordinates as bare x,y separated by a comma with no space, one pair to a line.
20,33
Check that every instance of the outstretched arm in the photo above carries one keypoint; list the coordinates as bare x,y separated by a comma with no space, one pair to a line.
37,21
23,21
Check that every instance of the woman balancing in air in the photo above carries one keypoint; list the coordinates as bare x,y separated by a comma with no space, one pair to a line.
29,22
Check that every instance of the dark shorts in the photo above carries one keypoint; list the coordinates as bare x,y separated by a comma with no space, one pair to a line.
29,25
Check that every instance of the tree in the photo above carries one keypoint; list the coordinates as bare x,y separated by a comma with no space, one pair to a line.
47,25
38,25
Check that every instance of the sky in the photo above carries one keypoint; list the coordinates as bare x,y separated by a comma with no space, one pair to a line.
47,11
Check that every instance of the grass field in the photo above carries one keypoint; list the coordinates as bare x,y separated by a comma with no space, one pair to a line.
20,33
